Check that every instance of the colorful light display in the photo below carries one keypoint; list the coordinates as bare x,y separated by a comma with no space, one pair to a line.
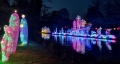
6,43
74,25
81,44
78,45
14,22
10,39
45,30
23,31
82,28
78,21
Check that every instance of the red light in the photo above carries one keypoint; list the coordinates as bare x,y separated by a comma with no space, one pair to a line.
118,28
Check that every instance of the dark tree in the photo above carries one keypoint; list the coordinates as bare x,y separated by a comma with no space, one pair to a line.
109,10
94,16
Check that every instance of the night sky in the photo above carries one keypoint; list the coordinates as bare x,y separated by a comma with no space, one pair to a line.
75,7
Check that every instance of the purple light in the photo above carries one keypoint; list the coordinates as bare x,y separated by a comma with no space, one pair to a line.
81,29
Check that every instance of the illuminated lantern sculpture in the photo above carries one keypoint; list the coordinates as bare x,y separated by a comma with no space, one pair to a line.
99,31
78,20
74,25
45,30
83,23
6,43
24,31
108,31
14,22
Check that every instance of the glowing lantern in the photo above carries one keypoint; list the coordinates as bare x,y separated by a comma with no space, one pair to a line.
6,43
21,25
45,30
78,21
14,22
83,23
24,31
15,11
114,28
23,16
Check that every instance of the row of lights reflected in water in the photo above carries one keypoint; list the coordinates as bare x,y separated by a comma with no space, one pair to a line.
81,44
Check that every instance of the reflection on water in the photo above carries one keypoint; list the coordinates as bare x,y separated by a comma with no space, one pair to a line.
45,36
81,45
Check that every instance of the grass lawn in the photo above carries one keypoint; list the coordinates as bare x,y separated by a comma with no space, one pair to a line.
33,54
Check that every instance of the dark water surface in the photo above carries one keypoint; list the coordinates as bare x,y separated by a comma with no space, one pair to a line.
80,49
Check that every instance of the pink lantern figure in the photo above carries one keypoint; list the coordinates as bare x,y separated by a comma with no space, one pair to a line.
6,43
78,20
74,25
108,31
99,31
14,22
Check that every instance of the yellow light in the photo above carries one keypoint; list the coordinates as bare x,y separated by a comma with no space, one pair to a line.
44,31
2,41
15,11
23,16
21,25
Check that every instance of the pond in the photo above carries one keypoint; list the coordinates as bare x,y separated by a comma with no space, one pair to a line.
90,49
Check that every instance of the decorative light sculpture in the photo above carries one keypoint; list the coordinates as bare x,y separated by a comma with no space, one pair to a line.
83,23
99,31
74,25
6,43
15,11
14,22
82,28
45,30
23,31
78,20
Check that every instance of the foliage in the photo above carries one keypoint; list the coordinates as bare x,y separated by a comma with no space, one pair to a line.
55,18
108,15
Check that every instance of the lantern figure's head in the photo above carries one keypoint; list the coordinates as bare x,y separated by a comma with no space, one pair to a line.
23,16
78,17
7,29
15,11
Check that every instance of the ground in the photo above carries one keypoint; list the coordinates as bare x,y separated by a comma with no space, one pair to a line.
33,53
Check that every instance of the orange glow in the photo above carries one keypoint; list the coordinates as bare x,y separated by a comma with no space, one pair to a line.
45,30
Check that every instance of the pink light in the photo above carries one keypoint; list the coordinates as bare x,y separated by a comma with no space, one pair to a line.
14,22
6,43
